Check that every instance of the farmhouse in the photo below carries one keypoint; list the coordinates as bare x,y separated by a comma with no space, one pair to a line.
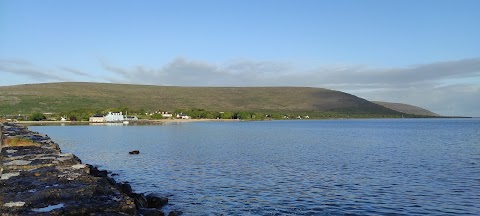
97,118
166,115
183,116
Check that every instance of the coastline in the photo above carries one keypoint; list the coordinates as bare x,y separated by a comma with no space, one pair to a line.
166,121
37,178
160,121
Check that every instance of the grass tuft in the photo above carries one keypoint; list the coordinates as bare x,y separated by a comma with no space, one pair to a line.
20,141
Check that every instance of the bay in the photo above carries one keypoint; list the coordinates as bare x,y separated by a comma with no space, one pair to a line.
306,167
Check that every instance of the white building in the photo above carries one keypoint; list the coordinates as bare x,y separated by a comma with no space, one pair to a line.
114,117
166,115
183,116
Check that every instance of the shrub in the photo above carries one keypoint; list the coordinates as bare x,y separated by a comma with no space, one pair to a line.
38,117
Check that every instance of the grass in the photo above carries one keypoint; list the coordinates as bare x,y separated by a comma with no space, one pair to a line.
58,97
19,141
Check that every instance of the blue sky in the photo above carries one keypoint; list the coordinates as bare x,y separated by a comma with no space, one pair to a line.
425,53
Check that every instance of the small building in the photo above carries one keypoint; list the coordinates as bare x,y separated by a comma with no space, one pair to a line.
96,118
114,117
131,118
166,115
183,116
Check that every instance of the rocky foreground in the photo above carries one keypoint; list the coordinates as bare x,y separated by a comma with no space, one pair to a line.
38,179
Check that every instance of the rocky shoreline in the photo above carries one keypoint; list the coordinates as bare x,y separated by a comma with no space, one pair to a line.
38,179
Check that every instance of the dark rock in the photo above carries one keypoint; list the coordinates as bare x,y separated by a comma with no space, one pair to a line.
125,188
155,201
174,213
140,200
94,171
151,212
134,152
101,173
111,181
102,190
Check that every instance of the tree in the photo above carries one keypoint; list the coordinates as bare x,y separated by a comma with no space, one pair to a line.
244,115
226,115
38,117
157,116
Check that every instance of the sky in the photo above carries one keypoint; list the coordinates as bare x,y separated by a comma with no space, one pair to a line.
425,53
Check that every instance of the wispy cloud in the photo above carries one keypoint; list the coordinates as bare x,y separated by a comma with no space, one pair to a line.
31,71
75,71
25,68
428,74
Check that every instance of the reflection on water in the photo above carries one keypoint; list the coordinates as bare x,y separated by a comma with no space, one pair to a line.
365,167
107,124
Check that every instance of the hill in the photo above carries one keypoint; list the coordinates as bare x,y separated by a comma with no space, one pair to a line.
406,108
58,97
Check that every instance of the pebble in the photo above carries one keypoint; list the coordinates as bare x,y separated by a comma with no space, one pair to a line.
9,175
79,166
14,204
18,163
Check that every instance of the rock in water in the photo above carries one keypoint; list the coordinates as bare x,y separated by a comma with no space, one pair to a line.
155,201
134,152
151,212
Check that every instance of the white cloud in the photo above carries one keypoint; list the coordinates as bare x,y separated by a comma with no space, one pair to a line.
76,71
184,72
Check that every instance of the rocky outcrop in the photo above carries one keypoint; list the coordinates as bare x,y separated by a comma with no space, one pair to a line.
37,178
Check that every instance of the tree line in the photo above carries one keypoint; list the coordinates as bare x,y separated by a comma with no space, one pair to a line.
84,114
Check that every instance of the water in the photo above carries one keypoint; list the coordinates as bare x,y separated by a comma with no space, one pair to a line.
364,167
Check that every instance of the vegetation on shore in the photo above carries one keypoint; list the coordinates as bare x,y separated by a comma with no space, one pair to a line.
19,141
85,114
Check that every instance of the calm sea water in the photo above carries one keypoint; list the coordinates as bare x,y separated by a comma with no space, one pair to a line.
329,167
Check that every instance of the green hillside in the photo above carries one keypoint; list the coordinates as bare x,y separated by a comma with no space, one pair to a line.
58,97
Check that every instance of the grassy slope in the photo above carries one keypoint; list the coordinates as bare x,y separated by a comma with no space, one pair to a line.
56,97
406,108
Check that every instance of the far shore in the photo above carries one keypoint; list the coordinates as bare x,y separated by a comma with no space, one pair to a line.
159,121
163,121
